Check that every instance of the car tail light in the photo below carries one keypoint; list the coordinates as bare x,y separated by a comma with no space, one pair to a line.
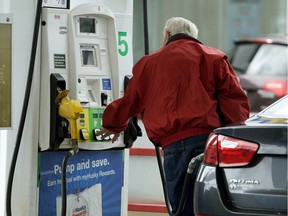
226,151
278,87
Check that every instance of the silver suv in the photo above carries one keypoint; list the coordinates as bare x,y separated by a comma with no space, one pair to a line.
262,67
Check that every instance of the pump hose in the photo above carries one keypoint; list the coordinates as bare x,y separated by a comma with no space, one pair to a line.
192,167
69,154
145,24
24,108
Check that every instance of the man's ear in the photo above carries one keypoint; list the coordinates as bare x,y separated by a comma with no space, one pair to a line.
166,38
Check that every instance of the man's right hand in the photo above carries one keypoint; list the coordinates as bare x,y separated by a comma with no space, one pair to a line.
106,133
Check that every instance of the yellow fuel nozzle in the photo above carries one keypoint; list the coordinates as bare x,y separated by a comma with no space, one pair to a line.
69,109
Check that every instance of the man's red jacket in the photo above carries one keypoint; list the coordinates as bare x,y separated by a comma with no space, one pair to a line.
181,90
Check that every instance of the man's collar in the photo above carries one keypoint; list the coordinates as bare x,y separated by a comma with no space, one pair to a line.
181,36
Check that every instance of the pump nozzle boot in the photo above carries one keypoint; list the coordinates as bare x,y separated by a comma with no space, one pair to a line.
69,109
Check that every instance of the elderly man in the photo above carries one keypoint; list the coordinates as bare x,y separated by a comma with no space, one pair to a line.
183,91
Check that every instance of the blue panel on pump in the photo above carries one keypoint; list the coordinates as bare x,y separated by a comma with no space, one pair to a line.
94,183
106,83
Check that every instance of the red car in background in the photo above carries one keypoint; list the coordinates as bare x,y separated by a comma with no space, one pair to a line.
261,65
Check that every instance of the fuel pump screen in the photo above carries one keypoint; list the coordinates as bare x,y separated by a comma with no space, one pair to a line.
89,58
89,55
87,25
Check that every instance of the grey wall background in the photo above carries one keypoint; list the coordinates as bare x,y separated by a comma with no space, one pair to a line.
218,21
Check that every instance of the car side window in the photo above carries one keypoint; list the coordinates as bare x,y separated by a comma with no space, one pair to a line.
271,59
242,56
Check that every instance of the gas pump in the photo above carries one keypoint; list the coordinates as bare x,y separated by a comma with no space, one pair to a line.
94,69
79,56
89,69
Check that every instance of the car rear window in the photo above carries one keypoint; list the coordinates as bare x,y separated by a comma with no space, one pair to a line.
243,55
277,110
270,59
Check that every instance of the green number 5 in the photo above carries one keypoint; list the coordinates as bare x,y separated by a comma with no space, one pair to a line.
124,49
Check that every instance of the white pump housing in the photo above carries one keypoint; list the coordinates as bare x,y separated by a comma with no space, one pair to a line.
81,46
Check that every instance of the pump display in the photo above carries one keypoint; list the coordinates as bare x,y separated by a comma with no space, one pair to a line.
79,53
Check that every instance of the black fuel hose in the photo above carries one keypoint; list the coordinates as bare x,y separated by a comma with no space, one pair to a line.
63,179
145,25
191,172
24,108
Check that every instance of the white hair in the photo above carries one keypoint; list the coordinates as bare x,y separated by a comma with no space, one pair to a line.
177,25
